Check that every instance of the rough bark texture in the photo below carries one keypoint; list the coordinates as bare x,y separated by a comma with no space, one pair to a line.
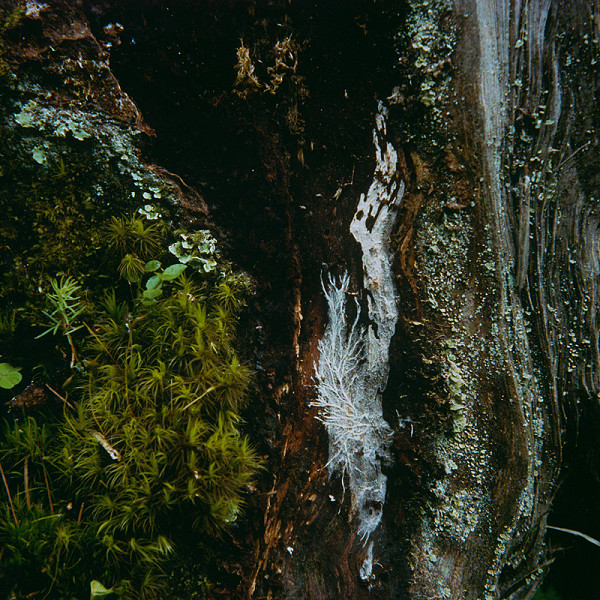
493,112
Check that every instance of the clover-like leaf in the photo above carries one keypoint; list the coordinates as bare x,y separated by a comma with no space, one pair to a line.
153,293
9,376
154,282
152,265
173,272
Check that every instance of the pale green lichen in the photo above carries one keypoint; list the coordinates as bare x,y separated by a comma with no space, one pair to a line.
25,118
39,154
55,121
433,44
150,212
198,250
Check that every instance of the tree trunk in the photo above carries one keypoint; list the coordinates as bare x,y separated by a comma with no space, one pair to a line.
414,417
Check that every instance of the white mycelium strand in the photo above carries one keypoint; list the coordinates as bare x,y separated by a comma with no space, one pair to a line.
353,360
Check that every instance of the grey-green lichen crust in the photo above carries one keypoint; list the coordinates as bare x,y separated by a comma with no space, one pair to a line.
467,273
432,44
49,131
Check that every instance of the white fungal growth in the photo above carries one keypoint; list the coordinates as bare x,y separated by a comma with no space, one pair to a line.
340,375
372,226
357,436
353,367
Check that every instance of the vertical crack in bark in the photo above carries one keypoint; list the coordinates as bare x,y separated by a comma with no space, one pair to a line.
353,364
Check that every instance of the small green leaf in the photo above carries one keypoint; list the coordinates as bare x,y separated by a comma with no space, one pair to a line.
154,282
152,265
154,293
97,590
9,376
173,272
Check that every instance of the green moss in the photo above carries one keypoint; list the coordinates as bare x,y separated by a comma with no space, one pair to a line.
138,451
54,219
151,454
9,19
163,396
44,544
134,236
154,443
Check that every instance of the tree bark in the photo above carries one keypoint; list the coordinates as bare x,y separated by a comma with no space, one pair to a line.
445,156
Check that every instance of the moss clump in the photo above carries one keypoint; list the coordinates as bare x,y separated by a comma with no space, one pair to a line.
134,236
148,455
136,453
157,448
45,547
9,19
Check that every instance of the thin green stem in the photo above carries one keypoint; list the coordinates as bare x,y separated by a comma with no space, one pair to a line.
12,508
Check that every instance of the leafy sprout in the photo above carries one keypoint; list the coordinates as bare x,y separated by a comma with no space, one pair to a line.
132,235
67,307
